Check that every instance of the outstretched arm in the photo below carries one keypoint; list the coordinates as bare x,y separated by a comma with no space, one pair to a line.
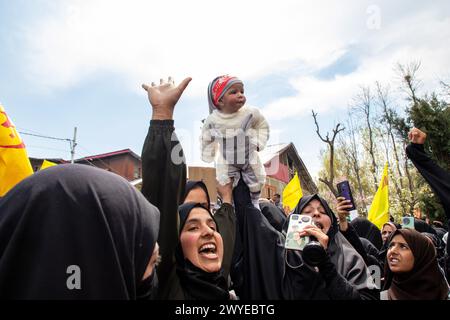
437,177
164,97
226,220
164,175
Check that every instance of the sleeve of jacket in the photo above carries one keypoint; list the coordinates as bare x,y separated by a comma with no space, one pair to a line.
262,260
163,183
339,288
354,240
226,220
437,177
261,130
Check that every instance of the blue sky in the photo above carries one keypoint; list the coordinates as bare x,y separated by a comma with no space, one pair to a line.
81,63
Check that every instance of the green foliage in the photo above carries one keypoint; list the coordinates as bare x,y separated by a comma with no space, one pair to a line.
433,117
407,188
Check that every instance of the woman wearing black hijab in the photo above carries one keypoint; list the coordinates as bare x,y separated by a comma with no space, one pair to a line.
366,229
440,249
273,272
196,191
411,269
422,226
199,255
273,214
343,270
164,184
77,232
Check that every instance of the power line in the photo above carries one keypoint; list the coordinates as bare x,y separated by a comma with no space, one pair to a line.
40,147
41,136
73,142
30,131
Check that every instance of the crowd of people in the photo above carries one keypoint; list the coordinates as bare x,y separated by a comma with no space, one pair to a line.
165,243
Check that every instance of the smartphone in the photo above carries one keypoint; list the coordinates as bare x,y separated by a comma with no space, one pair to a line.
296,224
344,190
408,223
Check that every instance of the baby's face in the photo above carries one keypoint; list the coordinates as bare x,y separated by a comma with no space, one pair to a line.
233,99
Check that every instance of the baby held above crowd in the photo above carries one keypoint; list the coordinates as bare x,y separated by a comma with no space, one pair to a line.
233,134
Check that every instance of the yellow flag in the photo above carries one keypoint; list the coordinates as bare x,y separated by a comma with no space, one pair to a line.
47,164
292,193
379,210
14,162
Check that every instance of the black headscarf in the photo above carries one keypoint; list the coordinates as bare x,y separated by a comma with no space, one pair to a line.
422,226
439,231
191,185
425,281
304,201
440,248
273,214
366,229
75,215
369,247
198,284
347,261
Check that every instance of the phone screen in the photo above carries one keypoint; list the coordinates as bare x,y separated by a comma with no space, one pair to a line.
408,223
345,191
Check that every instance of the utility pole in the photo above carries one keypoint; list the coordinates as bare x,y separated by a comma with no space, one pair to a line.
73,144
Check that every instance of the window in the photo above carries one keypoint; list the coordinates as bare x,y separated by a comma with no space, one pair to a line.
137,172
270,191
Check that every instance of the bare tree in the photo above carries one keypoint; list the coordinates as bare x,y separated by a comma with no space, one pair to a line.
363,104
445,88
387,117
408,74
329,181
351,152
408,77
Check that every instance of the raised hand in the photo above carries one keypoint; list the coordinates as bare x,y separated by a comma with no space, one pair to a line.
341,208
315,232
164,97
225,192
417,136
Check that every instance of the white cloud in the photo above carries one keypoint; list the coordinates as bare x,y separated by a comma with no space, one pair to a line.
143,40
421,37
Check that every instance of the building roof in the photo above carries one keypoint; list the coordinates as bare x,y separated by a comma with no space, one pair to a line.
55,160
276,150
109,154
272,151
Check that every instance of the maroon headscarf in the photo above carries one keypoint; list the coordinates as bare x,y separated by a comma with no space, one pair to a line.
425,281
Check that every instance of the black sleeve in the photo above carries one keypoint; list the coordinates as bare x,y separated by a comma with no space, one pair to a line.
437,177
262,250
339,288
226,220
163,183
356,243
